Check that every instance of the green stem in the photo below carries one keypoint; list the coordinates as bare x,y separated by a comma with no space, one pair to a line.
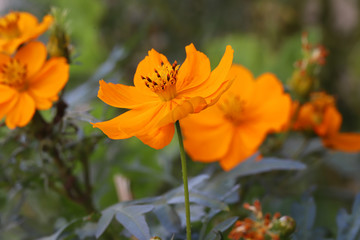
185,181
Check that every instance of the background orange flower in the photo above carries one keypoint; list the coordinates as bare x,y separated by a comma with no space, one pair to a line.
19,27
321,116
235,127
163,93
29,82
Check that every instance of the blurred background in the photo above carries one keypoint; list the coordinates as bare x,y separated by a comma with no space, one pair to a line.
110,37
265,35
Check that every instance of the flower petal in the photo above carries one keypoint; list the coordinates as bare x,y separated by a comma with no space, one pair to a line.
4,59
194,71
33,55
243,83
43,103
51,78
270,106
347,142
193,105
135,122
21,113
122,96
158,138
246,141
216,80
8,98
6,93
145,68
207,136
30,27
331,122
112,128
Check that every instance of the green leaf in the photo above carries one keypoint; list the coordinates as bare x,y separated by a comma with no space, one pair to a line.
304,214
349,224
252,167
201,199
58,233
168,217
133,220
105,219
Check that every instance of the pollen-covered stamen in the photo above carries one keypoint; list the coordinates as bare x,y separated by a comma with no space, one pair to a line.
9,28
163,80
13,74
232,107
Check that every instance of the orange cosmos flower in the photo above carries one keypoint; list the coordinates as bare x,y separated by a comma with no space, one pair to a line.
321,116
235,127
17,28
163,93
29,82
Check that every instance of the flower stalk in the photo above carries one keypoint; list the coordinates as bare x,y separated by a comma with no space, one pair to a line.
185,180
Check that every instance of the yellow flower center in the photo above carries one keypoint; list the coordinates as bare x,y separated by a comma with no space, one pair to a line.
14,74
9,26
163,80
233,108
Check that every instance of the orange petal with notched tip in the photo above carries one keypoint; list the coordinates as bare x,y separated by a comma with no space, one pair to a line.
215,83
194,71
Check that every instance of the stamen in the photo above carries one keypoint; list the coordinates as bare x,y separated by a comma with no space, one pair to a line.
163,80
9,26
14,74
232,107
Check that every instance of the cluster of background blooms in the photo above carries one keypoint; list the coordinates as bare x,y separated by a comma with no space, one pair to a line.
314,111
233,128
262,226
28,80
238,123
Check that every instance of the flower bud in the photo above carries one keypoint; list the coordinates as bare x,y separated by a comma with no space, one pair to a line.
59,42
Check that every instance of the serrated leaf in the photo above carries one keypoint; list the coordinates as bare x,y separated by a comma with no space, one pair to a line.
349,225
133,220
221,227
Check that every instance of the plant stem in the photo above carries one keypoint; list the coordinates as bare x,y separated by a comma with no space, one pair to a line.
185,181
